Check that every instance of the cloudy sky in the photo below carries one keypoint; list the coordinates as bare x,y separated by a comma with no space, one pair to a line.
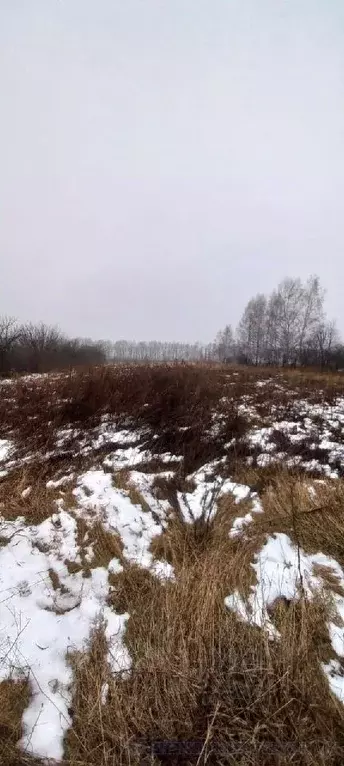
161,161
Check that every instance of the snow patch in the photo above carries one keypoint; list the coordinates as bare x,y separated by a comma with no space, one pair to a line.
5,449
202,502
40,624
283,571
137,527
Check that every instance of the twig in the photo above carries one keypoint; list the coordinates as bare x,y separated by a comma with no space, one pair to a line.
298,545
208,734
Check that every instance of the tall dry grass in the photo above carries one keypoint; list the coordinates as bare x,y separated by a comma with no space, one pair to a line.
199,675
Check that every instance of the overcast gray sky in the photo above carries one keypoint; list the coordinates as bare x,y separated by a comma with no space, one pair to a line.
161,161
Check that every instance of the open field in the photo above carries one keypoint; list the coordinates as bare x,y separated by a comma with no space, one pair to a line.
172,567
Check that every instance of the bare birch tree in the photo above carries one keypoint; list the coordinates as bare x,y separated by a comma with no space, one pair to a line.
251,330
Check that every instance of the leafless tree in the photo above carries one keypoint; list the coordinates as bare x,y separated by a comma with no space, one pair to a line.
252,330
9,335
286,326
325,340
290,297
40,342
225,344
311,312
273,329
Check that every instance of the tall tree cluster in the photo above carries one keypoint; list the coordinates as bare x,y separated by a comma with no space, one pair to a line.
287,327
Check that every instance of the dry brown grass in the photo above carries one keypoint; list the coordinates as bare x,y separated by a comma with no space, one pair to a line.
38,502
105,545
176,403
198,673
258,479
200,676
173,402
314,521
14,696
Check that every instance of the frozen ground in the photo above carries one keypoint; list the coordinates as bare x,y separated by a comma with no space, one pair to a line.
47,612
49,608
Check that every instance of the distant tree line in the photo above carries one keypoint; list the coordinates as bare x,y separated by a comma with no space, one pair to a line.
36,348
286,328
161,351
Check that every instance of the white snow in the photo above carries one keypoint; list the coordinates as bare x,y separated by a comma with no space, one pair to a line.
202,502
5,449
96,495
115,566
109,433
321,423
26,491
104,693
40,625
241,522
335,677
283,571
126,458
163,570
58,533
57,483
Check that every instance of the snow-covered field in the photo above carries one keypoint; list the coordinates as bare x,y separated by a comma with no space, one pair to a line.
55,587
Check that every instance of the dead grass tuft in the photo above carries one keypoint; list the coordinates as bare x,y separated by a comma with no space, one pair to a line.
313,518
36,504
97,545
14,697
